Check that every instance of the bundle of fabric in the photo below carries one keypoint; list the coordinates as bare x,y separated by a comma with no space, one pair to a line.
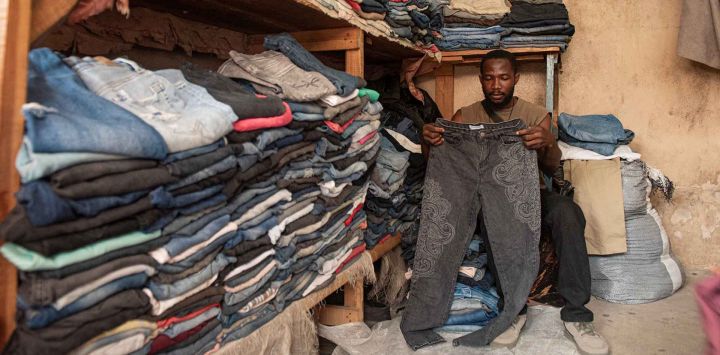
537,23
475,301
492,24
369,9
636,266
178,211
647,272
602,134
416,20
403,117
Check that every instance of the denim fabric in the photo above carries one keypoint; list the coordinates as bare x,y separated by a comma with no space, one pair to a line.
212,170
246,325
489,298
268,137
188,262
272,73
599,133
39,318
161,198
245,104
285,43
63,110
232,298
268,265
302,116
183,113
179,328
44,207
305,107
171,158
166,291
463,44
535,39
563,29
286,141
33,165
200,346
492,160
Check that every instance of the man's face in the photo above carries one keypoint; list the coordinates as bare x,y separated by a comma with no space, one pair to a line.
498,81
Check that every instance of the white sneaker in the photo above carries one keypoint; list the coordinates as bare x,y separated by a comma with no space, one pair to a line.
588,341
510,337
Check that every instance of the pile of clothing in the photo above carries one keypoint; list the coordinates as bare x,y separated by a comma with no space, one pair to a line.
630,259
403,117
492,24
176,211
475,301
395,190
416,20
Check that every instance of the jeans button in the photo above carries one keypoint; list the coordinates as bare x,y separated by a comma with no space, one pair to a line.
482,134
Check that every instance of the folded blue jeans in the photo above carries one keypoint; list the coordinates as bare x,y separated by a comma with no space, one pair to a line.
63,110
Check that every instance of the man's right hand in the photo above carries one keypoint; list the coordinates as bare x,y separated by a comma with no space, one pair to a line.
433,134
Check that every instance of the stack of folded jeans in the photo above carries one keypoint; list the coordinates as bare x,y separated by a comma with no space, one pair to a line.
491,24
177,211
395,191
416,20
475,301
537,23
457,38
601,134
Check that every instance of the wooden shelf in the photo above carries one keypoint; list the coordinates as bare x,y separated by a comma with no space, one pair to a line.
475,55
265,17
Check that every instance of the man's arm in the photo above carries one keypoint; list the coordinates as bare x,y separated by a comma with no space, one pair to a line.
541,139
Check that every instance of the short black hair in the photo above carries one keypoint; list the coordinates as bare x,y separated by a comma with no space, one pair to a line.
500,54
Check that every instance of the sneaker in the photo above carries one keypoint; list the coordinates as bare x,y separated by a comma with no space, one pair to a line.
587,340
510,337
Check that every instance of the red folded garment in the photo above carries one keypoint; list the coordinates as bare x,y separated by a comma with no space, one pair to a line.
253,124
352,215
163,341
338,128
354,5
355,252
164,323
364,140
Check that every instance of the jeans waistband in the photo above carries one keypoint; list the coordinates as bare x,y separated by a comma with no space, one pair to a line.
494,129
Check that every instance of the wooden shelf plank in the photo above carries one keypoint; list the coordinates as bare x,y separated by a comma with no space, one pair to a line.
516,51
383,248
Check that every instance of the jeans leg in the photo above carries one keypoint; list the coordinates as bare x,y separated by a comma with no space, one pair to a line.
567,224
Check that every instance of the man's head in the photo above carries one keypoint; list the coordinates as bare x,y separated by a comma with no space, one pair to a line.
498,76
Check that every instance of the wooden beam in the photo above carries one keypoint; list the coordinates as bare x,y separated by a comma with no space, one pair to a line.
482,52
445,94
15,43
384,247
48,14
335,39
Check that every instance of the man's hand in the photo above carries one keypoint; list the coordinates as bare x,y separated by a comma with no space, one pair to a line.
537,137
432,134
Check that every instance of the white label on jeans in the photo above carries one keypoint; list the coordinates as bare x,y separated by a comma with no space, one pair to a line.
473,127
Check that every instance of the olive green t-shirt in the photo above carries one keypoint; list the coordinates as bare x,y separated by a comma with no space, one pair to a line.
527,112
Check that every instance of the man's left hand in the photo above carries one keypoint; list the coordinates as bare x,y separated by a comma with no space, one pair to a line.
537,137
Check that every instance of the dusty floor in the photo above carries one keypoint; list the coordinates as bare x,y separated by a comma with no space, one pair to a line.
669,326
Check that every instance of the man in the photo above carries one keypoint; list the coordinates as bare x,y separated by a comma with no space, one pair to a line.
559,213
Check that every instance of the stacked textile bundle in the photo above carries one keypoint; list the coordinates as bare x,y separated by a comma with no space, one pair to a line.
369,9
475,301
537,23
630,259
395,189
416,20
486,25
177,211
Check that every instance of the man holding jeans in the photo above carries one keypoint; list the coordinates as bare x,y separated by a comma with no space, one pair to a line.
559,213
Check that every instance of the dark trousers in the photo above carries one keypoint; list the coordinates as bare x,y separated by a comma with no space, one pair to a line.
566,223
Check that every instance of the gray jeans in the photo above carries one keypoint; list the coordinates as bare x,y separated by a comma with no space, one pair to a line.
480,168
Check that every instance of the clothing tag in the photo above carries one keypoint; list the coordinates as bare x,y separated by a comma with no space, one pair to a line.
476,127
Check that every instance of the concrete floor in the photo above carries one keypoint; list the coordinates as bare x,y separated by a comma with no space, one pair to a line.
669,326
